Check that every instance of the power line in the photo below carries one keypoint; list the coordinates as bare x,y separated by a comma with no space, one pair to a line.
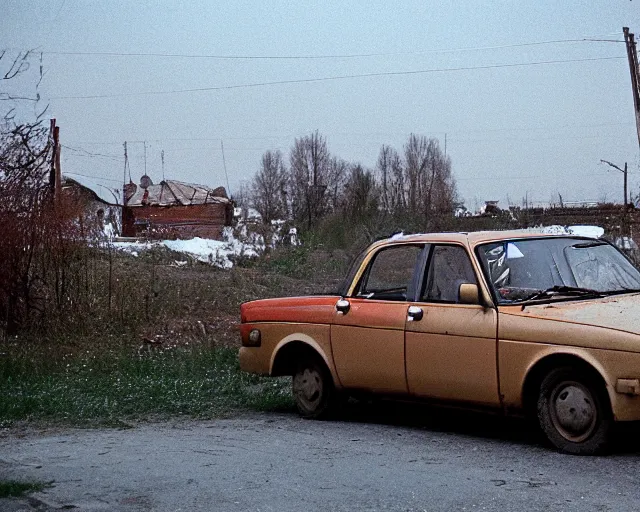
332,56
364,134
84,152
375,142
92,176
536,177
339,77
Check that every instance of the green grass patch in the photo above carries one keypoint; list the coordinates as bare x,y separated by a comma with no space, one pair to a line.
15,489
123,384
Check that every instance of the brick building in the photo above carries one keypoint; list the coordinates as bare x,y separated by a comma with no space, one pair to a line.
172,209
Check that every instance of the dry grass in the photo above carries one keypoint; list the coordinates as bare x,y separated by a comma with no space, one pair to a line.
167,346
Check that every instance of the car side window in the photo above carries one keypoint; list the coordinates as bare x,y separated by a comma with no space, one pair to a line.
449,267
390,274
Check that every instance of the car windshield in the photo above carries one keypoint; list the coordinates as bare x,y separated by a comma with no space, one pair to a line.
556,268
353,270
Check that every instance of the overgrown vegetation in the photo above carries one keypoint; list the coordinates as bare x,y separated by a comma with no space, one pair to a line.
115,385
15,488
167,346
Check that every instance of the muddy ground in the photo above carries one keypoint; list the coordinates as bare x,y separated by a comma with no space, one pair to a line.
403,458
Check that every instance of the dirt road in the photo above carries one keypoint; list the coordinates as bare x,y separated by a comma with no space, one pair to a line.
275,462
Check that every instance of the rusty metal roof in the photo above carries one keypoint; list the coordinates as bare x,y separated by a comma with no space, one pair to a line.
176,193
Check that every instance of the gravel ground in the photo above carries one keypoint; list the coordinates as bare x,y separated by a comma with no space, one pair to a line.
401,459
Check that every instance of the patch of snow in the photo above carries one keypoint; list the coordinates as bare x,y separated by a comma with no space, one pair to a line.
244,214
293,236
214,252
109,230
578,230
552,230
132,246
588,231
219,253
626,243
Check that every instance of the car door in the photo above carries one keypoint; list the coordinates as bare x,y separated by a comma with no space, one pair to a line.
450,346
367,336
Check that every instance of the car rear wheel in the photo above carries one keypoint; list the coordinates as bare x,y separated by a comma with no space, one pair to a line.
313,388
573,412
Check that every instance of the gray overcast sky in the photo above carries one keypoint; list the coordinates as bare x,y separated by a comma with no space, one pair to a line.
534,130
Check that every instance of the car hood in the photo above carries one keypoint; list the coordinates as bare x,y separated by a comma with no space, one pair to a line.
317,309
620,312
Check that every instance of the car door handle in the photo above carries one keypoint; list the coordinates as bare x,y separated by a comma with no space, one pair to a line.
414,314
342,306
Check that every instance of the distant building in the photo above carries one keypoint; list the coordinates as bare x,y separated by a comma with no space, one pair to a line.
172,209
99,206
490,208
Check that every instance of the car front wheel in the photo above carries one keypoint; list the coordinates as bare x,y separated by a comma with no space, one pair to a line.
313,389
573,412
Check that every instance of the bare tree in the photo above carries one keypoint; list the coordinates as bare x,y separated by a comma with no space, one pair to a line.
390,173
309,176
336,176
268,190
430,186
361,193
416,162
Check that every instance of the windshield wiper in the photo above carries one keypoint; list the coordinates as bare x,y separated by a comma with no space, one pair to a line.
571,291
589,244
623,290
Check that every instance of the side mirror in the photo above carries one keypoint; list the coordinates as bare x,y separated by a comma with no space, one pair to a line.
469,293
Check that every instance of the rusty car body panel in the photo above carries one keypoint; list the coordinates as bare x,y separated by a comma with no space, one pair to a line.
474,354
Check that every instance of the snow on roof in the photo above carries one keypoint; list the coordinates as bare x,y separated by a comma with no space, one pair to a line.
104,191
171,193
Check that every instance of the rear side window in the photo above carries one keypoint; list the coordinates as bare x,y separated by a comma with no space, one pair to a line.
390,274
449,267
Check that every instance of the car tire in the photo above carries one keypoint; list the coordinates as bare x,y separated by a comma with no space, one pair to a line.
573,412
313,389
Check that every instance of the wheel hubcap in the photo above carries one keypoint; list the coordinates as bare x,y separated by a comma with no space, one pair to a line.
307,386
573,411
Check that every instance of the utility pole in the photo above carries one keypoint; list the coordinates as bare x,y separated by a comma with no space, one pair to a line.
224,164
56,138
126,163
55,175
625,177
162,157
124,177
635,74
52,172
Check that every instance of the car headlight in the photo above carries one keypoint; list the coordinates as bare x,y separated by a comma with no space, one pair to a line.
254,339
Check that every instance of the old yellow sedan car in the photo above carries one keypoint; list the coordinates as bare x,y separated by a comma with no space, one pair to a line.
521,324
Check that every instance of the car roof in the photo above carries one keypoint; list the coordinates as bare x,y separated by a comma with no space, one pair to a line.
472,238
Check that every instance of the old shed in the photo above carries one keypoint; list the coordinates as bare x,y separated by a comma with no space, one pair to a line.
99,204
173,209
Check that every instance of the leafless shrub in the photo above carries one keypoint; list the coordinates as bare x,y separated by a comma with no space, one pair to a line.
43,266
